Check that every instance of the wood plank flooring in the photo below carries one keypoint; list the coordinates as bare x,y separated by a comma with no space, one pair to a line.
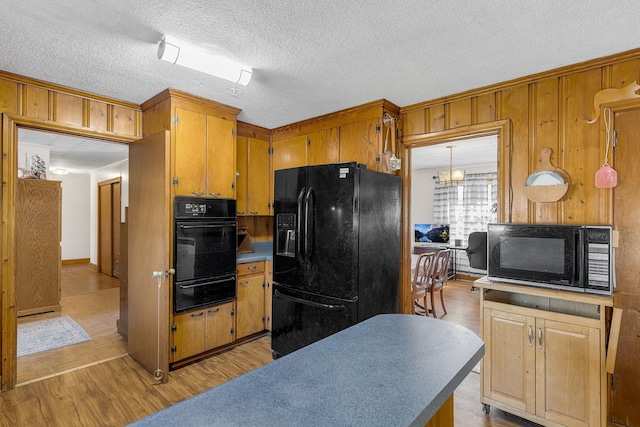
92,300
119,391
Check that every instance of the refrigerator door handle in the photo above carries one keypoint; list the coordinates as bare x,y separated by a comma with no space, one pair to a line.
308,200
299,227
307,302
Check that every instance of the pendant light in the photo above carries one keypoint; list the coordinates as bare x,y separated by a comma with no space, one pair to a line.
451,176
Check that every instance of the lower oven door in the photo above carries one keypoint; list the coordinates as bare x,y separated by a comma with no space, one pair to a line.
189,295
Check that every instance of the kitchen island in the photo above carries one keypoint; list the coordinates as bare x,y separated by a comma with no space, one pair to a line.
390,370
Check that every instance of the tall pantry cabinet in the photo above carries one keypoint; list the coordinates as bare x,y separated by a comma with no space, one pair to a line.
38,236
188,148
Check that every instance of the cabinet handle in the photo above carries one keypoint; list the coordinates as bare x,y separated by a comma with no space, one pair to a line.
240,213
214,194
254,213
530,335
244,282
253,267
213,311
539,337
198,193
197,314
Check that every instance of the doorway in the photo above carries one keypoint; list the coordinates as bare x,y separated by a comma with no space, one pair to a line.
89,298
417,148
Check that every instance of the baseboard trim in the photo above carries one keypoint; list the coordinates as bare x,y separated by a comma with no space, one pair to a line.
76,261
94,267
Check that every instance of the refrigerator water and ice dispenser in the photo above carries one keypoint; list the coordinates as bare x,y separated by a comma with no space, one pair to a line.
286,235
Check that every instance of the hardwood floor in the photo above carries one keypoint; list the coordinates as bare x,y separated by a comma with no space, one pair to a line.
119,391
92,300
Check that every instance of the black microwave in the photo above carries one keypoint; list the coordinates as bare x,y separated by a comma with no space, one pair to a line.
576,258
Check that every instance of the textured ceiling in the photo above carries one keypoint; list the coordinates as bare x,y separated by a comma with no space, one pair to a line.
310,57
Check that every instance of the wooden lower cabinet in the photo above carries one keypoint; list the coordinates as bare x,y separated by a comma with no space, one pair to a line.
198,331
251,301
546,365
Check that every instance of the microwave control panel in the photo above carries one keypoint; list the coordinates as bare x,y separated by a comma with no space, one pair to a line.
598,258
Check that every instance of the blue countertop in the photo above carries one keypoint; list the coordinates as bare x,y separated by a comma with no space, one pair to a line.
390,370
262,251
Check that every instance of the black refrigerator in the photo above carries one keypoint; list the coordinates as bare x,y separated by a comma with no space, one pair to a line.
336,251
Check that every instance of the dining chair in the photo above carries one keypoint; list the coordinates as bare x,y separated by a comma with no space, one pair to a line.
439,278
422,274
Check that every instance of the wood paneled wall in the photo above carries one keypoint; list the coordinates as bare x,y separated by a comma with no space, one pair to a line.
551,109
30,103
546,110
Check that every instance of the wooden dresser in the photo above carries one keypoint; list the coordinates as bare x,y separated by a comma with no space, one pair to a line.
38,236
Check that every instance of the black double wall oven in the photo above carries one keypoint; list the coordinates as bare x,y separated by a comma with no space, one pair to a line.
204,255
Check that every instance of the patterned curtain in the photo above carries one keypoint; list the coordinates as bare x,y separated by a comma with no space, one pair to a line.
466,207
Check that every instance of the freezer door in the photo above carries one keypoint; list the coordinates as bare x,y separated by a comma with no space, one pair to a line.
300,319
288,194
330,230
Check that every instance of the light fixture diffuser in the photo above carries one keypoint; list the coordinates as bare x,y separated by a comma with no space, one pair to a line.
180,54
451,176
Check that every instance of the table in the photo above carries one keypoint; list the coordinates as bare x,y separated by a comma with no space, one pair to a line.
454,253
391,369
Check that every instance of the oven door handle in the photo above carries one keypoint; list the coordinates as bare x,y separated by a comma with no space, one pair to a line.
207,283
187,227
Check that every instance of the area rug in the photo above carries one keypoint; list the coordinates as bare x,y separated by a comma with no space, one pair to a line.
47,334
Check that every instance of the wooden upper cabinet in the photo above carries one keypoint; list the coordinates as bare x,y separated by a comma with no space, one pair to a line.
323,147
190,156
361,142
253,177
290,153
259,177
242,179
221,157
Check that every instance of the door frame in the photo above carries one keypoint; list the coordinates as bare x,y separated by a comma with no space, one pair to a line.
500,128
8,312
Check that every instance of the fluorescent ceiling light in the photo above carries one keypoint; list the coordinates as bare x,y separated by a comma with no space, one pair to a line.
178,53
59,171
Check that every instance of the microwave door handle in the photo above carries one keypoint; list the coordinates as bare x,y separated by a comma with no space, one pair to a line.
580,260
299,227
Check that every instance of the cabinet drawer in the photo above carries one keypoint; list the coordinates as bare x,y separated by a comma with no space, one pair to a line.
249,268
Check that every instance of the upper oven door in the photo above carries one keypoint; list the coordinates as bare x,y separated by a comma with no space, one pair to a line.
204,250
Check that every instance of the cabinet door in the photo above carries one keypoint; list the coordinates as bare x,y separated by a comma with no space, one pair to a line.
268,277
242,178
360,142
509,361
323,147
290,153
188,338
190,148
250,316
567,373
221,157
219,326
259,174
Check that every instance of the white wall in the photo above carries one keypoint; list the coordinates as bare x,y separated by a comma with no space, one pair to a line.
75,216
120,169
